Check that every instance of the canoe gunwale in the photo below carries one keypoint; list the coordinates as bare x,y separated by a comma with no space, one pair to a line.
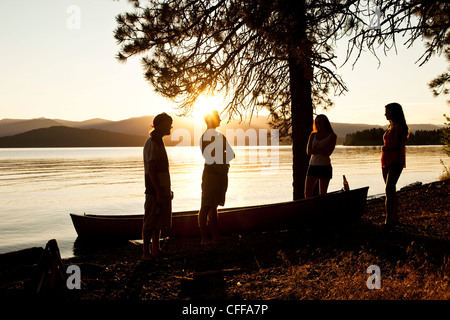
91,225
221,210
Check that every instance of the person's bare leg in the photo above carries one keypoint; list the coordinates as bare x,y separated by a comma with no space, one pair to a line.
391,203
385,172
146,245
323,186
202,223
214,223
310,183
156,250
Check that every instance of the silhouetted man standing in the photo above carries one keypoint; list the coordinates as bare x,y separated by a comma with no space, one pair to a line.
218,154
158,200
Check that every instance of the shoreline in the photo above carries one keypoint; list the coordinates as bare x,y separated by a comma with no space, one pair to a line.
313,264
67,247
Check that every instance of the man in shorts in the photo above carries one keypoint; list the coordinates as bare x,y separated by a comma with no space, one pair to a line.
218,154
158,196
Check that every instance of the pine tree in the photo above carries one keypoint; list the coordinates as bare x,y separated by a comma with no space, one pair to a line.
262,54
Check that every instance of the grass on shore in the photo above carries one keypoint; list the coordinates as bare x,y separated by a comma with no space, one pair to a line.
445,172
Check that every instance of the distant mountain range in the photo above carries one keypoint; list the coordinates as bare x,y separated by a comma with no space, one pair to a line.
60,136
134,126
43,132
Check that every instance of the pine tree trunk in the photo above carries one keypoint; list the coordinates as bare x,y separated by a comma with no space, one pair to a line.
301,74
302,120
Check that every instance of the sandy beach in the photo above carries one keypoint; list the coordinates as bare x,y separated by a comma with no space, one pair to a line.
308,264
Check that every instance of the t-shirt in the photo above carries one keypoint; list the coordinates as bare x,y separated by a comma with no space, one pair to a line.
155,150
216,151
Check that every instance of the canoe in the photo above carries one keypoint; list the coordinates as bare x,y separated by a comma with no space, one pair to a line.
333,208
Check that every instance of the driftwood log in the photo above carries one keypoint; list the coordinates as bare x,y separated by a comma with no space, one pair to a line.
50,272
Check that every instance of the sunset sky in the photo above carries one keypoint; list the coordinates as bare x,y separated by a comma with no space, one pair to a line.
54,65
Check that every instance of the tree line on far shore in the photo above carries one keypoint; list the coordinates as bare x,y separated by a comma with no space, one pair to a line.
374,137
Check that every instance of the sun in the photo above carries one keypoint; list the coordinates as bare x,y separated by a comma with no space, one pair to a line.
206,104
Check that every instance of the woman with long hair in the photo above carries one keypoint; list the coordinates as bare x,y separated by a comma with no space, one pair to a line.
321,144
393,158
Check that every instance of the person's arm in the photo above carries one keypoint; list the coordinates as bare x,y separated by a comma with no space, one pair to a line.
155,180
309,148
152,156
328,150
230,155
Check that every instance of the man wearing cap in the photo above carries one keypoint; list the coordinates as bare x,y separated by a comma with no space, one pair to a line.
158,195
218,154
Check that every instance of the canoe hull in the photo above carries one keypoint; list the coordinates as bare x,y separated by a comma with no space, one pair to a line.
335,207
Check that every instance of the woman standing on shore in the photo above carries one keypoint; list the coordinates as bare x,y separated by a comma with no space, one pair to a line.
321,144
393,158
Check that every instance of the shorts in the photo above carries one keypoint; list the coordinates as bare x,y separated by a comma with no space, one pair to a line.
396,167
214,188
321,172
157,215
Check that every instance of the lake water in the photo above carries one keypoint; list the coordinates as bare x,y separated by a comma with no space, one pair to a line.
40,187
